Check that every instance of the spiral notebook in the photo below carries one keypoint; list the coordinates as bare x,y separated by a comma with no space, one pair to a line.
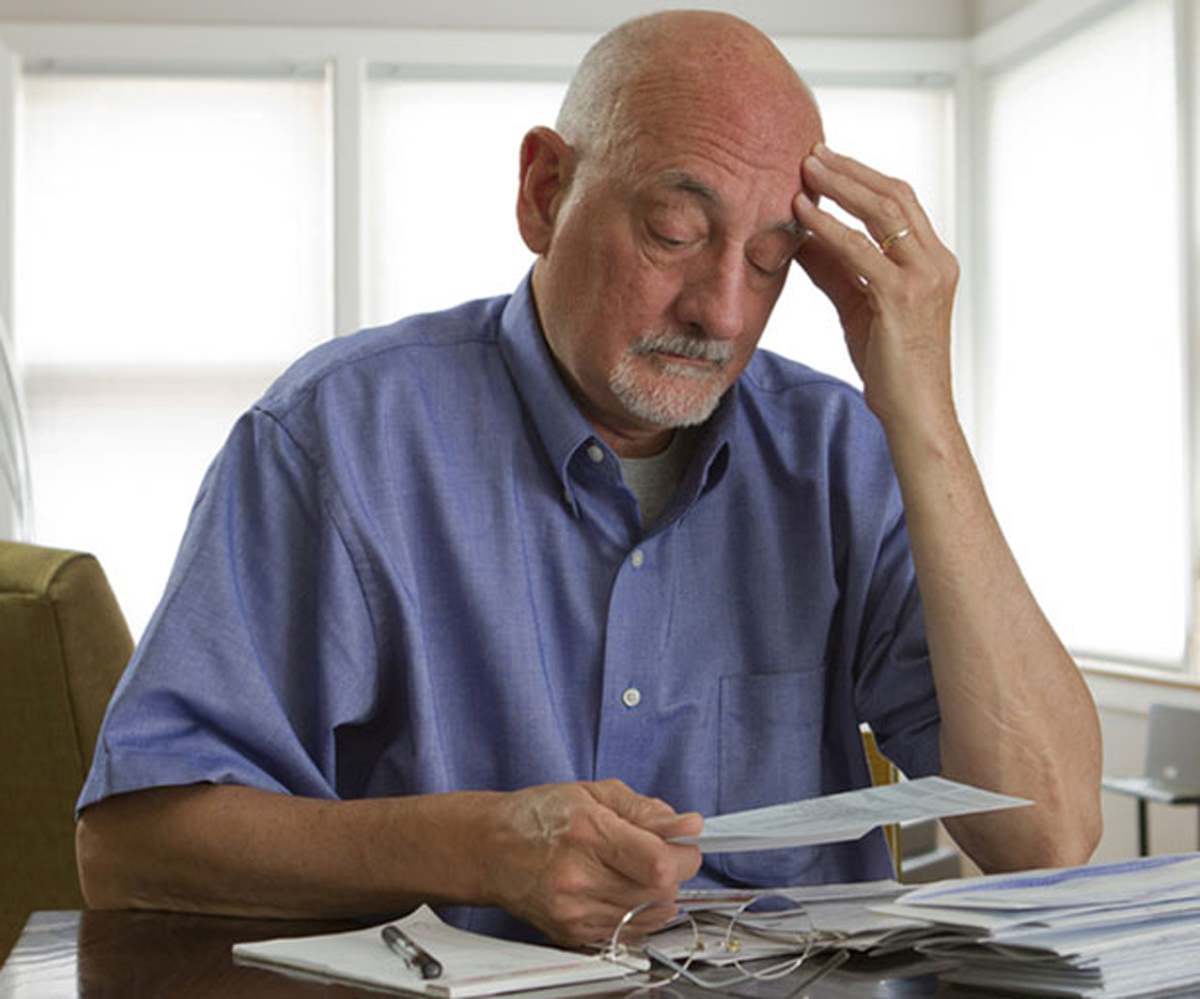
473,964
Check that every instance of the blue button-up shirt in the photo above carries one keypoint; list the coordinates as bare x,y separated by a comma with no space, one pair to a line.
415,568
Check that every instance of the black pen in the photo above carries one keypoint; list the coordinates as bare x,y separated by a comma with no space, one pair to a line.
415,956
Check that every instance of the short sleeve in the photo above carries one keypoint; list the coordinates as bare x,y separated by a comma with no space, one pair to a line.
262,645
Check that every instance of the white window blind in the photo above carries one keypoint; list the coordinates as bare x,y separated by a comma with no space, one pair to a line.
171,220
1082,357
172,255
441,172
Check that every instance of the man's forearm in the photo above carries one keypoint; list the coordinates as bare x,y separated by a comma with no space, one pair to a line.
241,851
1016,714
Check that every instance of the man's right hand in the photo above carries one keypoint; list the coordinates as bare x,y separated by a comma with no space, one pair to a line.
572,859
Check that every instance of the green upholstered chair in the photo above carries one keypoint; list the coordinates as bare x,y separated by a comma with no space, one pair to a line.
63,646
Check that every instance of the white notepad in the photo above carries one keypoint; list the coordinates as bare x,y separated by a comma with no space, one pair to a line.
474,964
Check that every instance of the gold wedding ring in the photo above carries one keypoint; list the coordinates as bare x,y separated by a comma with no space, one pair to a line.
885,244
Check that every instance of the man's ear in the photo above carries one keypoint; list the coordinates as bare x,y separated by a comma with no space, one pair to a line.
547,163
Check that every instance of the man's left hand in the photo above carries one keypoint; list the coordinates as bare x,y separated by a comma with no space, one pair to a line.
893,289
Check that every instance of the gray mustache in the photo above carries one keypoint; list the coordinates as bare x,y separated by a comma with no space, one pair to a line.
716,351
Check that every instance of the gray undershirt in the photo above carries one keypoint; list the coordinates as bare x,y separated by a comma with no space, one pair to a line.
653,480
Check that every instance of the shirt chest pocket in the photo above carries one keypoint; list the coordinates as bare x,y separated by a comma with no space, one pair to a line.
769,751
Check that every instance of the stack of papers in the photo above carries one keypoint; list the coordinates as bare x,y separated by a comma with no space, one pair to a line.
792,921
1112,930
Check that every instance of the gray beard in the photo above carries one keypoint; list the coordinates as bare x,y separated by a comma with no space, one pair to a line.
675,395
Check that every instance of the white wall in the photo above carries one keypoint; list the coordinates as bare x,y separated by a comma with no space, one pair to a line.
880,18
989,12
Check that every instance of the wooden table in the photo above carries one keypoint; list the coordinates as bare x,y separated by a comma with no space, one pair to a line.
152,955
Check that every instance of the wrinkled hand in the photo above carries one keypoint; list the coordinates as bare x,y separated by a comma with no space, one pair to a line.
572,859
894,296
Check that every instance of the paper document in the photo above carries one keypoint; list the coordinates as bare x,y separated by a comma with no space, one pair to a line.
1122,882
849,815
473,964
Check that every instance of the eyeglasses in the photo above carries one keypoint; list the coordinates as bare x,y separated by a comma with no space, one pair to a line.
757,930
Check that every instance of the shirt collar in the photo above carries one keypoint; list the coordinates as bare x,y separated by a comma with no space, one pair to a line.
563,429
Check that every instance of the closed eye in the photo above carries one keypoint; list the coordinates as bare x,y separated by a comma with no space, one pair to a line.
770,270
773,253
670,242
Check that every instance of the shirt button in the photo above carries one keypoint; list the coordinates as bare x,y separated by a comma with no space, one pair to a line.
596,453
631,697
638,559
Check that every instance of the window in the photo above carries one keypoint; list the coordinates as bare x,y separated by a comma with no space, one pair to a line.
1082,360
173,255
441,173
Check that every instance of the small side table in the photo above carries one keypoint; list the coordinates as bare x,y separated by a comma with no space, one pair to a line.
1147,789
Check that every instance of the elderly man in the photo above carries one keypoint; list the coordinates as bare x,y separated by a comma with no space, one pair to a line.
484,607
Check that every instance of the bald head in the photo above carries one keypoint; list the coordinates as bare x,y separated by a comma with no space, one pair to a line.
683,57
662,213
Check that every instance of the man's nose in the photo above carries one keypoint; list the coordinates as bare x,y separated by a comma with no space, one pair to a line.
714,296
